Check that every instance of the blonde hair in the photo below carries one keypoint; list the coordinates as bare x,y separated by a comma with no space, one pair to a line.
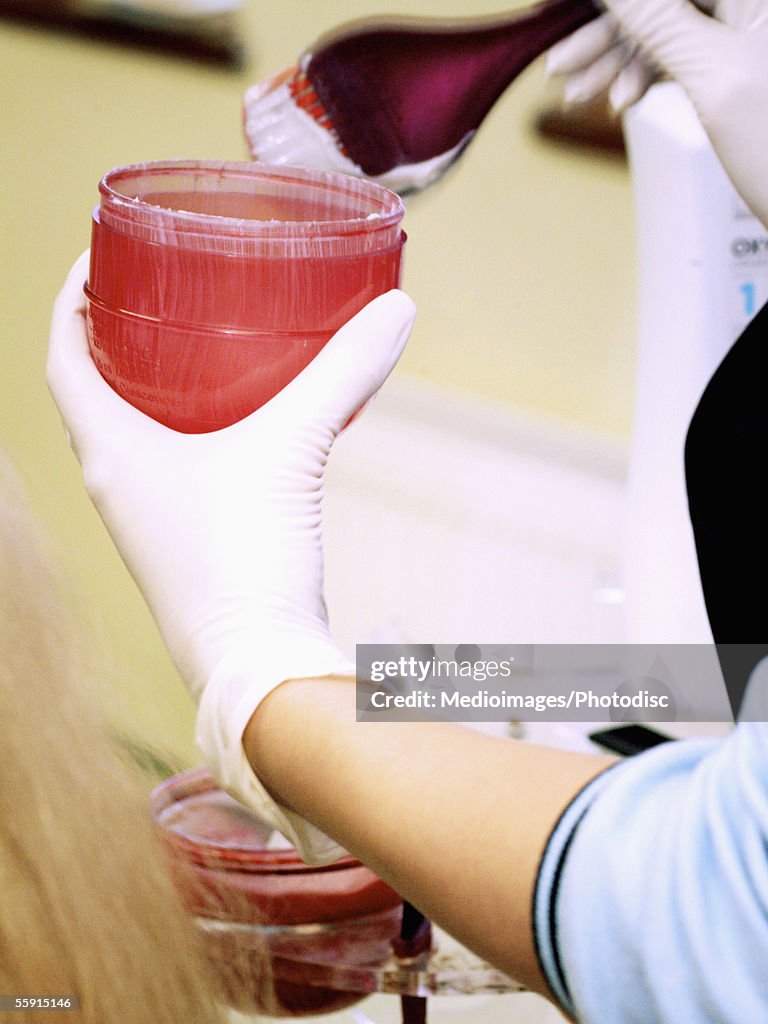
87,907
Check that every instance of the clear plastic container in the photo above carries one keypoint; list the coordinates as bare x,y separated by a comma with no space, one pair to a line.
212,285
280,933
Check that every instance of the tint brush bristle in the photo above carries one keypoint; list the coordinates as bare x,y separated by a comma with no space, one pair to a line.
305,97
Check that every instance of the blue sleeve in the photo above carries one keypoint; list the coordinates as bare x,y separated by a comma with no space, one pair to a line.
652,900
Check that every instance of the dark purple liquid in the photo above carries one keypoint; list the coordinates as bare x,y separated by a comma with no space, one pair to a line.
402,91
413,1009
415,938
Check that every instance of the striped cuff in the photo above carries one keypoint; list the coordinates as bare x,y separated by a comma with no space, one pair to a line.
547,885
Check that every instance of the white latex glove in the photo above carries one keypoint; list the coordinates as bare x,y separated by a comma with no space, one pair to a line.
721,63
597,58
222,531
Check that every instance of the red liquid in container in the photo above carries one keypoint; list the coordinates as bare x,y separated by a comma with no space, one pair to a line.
212,286
284,937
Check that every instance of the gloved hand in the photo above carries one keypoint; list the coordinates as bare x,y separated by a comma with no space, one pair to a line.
721,63
597,58
222,531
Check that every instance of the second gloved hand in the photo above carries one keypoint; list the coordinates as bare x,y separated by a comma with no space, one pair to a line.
721,63
600,57
222,531
597,58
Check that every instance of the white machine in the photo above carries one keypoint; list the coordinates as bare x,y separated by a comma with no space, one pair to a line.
703,274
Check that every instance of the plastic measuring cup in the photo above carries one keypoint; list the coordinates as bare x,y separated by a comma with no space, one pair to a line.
212,285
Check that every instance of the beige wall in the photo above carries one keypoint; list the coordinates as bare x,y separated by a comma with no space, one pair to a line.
521,263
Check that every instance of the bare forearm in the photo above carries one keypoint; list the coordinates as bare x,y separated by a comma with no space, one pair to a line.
455,820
